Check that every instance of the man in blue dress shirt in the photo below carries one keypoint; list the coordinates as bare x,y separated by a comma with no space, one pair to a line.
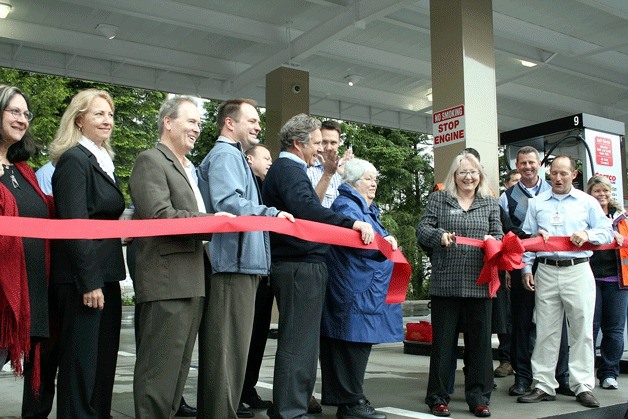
564,282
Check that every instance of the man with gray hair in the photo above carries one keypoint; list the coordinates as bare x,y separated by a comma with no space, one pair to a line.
169,275
298,272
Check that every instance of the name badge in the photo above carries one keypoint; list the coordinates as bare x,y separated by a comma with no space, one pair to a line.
455,211
556,220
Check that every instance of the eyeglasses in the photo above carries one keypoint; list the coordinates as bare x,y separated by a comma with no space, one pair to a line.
17,113
370,179
465,173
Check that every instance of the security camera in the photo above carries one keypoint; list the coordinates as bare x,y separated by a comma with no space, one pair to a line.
296,88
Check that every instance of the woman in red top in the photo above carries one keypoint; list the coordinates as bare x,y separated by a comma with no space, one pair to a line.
24,315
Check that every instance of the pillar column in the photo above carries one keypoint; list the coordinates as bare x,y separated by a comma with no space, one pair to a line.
463,82
287,94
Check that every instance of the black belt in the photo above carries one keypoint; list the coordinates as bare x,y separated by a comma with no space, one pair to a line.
562,263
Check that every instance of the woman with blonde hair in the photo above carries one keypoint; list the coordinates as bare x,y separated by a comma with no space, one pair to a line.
86,273
463,208
610,269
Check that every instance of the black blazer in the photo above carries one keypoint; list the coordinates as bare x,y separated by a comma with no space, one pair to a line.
81,189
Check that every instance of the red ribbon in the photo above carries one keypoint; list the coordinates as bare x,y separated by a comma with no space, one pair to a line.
307,230
507,254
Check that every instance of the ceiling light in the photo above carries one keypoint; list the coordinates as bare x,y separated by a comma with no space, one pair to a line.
5,9
352,79
108,31
527,63
429,95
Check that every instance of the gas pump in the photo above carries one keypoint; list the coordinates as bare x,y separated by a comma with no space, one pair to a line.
596,144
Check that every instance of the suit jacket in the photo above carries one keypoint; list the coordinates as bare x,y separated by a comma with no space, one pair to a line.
81,189
167,267
456,269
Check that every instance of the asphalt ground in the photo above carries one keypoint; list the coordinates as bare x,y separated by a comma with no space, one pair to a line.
395,384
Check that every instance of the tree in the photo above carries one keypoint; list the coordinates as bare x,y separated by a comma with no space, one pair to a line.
135,115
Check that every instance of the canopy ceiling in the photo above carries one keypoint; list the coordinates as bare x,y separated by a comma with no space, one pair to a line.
220,49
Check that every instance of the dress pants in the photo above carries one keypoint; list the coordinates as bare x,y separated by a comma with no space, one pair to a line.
343,365
224,341
165,341
564,291
524,335
299,288
88,352
40,406
446,315
263,312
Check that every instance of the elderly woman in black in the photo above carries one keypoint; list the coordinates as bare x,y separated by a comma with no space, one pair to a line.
463,208
86,273
24,315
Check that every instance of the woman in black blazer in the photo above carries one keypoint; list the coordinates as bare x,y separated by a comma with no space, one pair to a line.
86,273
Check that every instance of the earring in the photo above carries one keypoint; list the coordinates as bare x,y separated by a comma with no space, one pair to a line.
81,129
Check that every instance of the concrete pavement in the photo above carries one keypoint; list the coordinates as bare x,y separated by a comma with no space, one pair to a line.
395,384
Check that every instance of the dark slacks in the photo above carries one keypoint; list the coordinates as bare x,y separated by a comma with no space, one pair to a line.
88,352
40,406
263,311
299,288
343,365
446,315
165,341
524,335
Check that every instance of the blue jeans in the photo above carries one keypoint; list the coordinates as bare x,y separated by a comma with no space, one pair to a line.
610,314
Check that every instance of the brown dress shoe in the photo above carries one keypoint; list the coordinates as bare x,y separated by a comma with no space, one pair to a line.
535,396
587,399
504,370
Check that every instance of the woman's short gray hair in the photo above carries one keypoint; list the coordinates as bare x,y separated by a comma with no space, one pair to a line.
355,169
300,128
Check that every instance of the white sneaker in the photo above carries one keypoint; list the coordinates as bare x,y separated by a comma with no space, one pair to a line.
610,383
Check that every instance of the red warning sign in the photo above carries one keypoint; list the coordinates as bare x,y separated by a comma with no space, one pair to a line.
448,126
603,151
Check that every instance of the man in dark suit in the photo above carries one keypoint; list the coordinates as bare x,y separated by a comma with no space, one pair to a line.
299,272
169,283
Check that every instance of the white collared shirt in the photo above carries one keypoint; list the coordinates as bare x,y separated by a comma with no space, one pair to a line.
103,158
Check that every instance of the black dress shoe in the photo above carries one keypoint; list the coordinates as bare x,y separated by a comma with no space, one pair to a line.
587,399
565,390
314,406
185,411
535,396
244,412
518,389
360,410
481,411
255,401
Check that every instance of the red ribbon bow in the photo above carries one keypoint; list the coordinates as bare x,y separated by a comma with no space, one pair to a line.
504,255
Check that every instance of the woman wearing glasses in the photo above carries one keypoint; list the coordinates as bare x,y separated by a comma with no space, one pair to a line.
86,273
463,208
24,318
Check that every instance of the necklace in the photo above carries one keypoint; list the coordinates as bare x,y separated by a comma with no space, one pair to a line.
14,181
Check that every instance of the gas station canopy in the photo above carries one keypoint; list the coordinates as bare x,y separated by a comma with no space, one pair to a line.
220,49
